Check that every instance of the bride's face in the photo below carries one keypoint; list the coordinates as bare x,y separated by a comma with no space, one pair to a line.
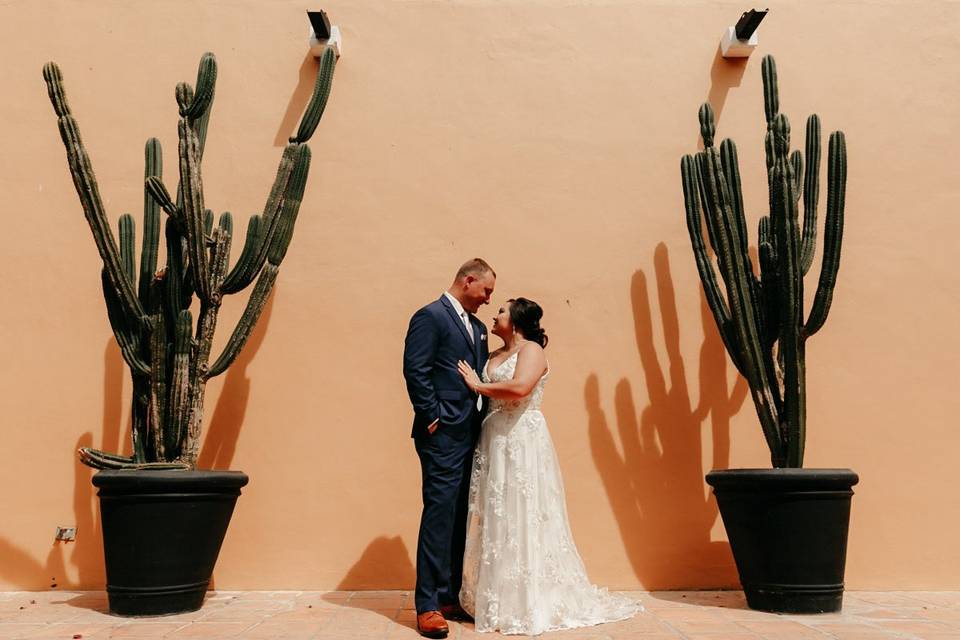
501,322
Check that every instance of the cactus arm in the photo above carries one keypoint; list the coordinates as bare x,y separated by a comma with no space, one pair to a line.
796,161
125,330
318,101
198,112
189,446
291,206
158,192
731,171
730,167
790,287
225,224
191,192
248,255
206,84
768,282
771,107
739,292
811,192
833,232
140,417
176,259
178,408
771,88
153,168
88,191
139,405
207,222
102,460
158,386
244,272
258,299
708,278
128,235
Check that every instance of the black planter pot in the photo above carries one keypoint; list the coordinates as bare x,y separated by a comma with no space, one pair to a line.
788,532
162,532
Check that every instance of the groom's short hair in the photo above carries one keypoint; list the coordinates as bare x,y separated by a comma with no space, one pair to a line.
474,267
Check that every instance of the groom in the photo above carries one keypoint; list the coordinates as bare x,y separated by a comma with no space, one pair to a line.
446,426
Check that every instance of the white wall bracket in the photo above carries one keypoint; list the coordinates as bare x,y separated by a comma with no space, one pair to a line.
733,47
317,45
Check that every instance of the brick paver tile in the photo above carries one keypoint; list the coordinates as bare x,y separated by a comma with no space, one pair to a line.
701,627
738,635
211,630
782,630
19,629
938,598
286,630
690,614
914,626
898,599
866,635
145,629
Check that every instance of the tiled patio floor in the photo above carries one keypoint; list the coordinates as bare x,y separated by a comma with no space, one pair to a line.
344,615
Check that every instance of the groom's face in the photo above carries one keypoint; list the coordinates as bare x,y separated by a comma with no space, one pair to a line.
477,291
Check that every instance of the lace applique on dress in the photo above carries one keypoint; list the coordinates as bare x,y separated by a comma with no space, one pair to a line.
522,573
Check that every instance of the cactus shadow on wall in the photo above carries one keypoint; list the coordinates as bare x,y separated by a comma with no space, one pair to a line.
223,433
18,567
86,553
298,101
654,477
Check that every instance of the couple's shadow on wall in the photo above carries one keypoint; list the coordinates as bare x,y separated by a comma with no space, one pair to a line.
654,479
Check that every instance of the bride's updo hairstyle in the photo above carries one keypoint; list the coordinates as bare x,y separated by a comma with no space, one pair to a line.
525,316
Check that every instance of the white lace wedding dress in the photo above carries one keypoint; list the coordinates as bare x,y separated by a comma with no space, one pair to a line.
522,573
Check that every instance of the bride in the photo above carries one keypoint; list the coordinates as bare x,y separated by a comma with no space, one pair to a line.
522,573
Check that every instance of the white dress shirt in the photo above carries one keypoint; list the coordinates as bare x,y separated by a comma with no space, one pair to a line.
464,316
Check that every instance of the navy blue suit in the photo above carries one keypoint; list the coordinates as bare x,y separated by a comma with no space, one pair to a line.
436,341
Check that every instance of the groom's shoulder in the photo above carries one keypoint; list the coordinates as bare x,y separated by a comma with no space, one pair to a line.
434,308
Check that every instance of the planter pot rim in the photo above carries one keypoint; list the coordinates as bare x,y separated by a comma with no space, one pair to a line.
782,478
169,479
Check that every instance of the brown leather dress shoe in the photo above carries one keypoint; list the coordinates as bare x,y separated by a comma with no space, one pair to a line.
431,624
455,612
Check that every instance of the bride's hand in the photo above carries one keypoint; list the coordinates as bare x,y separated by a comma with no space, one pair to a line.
469,375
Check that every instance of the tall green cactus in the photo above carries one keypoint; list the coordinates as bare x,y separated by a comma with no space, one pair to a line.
169,356
761,319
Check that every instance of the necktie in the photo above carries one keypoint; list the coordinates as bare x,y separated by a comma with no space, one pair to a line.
466,322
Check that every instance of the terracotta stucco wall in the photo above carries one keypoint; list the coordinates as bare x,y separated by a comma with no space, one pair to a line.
546,138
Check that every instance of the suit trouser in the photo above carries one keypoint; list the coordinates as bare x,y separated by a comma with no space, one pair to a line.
445,465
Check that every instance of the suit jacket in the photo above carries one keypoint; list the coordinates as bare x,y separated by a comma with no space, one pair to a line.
436,341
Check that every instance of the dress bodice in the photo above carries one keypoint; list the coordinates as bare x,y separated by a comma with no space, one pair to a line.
504,371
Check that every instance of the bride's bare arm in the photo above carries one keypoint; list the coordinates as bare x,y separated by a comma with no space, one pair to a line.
531,365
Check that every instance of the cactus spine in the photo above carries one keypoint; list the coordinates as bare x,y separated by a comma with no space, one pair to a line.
149,309
760,318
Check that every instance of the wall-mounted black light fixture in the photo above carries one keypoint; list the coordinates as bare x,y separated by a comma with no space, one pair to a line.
321,24
747,23
741,39
322,34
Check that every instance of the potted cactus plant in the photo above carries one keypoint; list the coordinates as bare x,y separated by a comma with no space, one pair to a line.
163,520
787,525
